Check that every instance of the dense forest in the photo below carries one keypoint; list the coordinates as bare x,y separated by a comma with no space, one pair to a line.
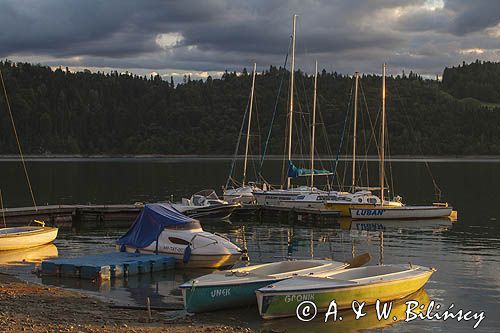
479,80
61,112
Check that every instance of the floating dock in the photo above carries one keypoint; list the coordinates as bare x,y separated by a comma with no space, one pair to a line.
107,265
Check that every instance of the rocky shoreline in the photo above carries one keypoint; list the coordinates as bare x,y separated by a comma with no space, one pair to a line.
26,306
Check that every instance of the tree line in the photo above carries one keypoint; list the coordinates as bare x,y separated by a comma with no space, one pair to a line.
63,112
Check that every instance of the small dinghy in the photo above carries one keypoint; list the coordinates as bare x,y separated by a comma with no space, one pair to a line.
161,229
236,287
365,284
26,237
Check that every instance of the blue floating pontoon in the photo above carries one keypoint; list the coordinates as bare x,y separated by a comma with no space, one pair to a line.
107,265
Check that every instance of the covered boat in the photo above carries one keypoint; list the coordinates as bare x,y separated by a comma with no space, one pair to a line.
26,237
162,229
364,284
236,287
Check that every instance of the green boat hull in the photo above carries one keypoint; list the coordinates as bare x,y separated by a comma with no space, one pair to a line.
203,299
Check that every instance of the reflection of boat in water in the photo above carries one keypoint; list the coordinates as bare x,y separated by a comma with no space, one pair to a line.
368,284
349,323
438,224
162,229
26,237
28,255
206,204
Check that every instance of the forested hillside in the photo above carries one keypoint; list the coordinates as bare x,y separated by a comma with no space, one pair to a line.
58,112
479,80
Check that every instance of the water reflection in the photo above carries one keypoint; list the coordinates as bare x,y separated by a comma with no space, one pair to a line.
34,255
467,268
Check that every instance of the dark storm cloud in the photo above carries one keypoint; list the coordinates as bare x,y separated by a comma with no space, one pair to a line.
213,35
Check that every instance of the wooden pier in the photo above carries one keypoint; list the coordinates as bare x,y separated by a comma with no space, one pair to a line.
101,216
73,216
307,216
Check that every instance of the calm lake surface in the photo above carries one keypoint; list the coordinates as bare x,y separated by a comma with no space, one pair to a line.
466,253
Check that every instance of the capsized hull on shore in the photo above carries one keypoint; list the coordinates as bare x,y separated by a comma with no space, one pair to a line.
364,284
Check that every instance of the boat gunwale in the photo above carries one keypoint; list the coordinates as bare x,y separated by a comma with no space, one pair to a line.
266,278
28,232
275,292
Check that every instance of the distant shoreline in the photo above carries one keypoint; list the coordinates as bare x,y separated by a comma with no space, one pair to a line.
105,157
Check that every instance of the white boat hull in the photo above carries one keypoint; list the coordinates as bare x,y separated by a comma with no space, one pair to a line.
207,250
400,213
196,260
26,237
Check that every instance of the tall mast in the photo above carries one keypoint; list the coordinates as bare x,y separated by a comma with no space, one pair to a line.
313,130
355,130
248,126
382,139
292,70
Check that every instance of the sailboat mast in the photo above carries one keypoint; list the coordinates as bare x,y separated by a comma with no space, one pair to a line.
355,130
292,70
249,124
313,130
382,139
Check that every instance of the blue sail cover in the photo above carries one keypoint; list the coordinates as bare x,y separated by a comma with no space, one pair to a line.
150,223
294,172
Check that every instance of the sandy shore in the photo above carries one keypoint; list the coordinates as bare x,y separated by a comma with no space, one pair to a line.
31,307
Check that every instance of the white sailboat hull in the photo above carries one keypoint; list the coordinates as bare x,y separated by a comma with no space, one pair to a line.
400,213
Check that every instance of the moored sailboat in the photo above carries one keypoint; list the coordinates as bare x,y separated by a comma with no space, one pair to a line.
244,193
384,211
25,236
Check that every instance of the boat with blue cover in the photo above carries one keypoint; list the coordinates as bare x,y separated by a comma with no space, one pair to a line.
162,229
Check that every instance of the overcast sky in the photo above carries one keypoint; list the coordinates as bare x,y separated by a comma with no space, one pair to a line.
187,36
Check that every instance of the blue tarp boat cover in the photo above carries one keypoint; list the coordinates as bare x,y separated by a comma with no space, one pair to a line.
150,223
294,172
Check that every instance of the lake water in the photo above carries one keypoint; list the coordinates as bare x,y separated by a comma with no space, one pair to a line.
465,253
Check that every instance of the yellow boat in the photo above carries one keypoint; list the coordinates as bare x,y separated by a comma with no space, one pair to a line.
26,237
364,284
349,322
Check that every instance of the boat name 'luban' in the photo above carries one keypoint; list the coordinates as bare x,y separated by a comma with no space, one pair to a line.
370,212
